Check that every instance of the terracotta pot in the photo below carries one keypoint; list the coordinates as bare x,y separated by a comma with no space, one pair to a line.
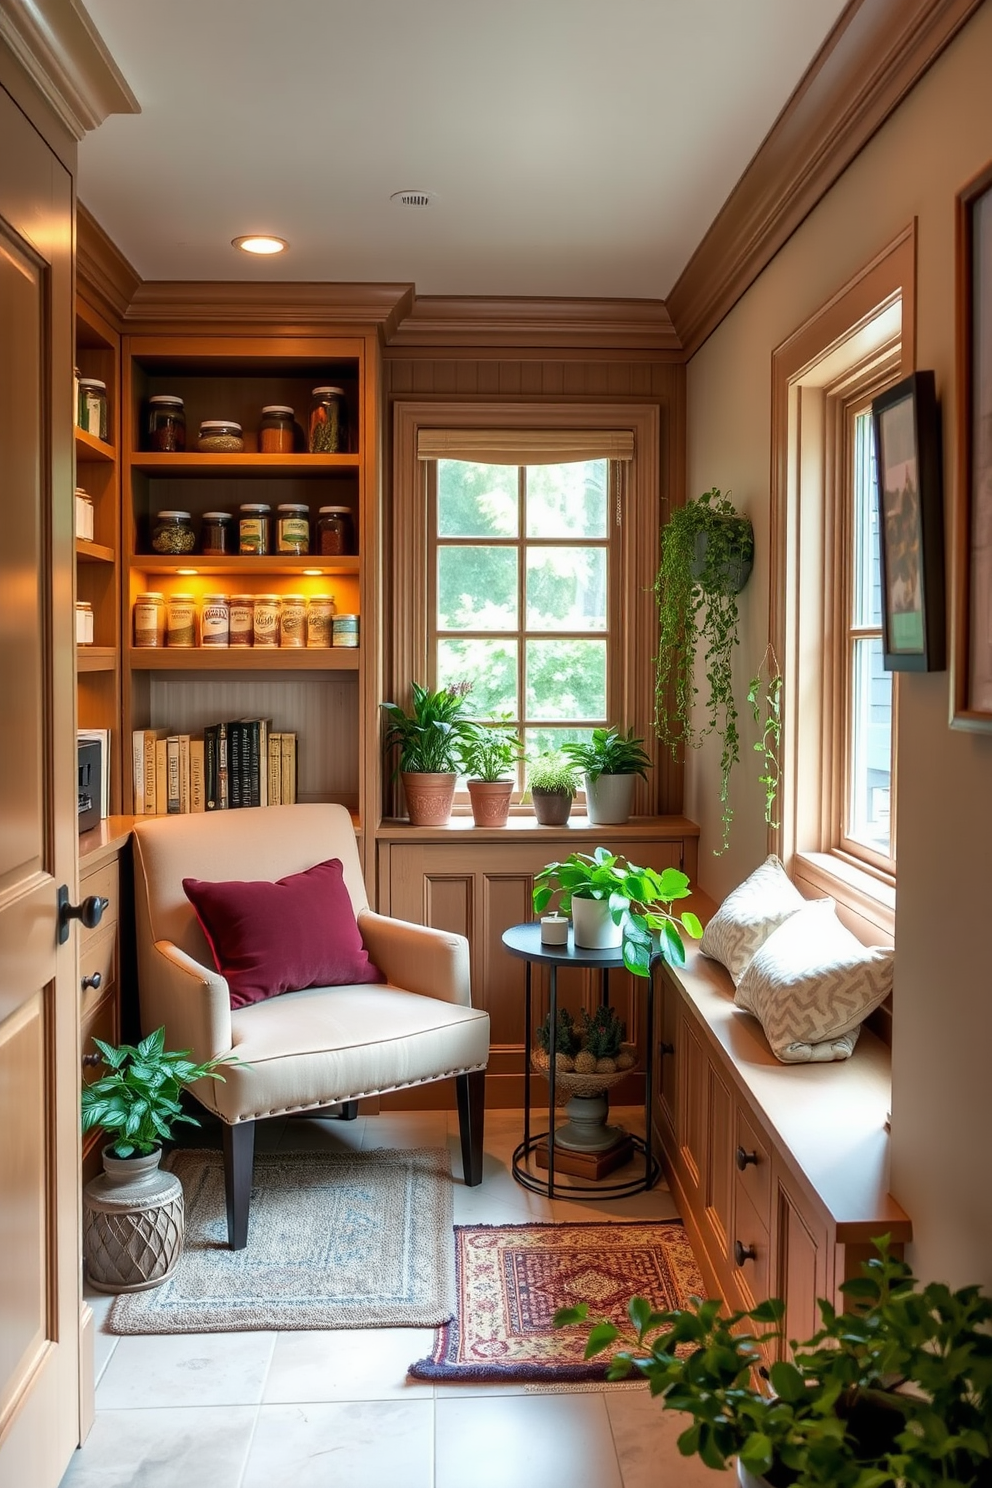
592,925
428,797
490,801
132,1224
552,808
608,799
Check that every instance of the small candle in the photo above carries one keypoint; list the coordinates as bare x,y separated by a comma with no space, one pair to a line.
554,929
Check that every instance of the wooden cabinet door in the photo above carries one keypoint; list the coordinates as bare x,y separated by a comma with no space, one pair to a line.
802,1245
690,1125
39,1070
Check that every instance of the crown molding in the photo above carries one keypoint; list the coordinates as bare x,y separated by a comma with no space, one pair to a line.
286,302
874,55
64,55
480,321
103,275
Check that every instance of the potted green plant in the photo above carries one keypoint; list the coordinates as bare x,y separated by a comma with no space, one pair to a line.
425,740
552,780
614,903
894,1390
488,753
133,1212
707,550
611,761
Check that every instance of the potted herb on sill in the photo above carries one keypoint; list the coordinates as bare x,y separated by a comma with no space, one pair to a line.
552,781
488,752
614,903
707,550
426,740
894,1390
133,1212
611,760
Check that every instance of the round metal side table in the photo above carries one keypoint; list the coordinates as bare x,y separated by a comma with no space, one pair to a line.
524,941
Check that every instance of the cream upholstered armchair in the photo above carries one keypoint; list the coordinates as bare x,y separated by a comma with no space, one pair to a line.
300,1050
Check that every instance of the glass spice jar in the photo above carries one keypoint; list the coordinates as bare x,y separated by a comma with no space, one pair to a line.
84,623
91,412
266,620
149,619
320,613
215,621
277,431
241,609
84,515
166,423
293,528
173,532
334,531
216,534
220,437
328,427
254,521
293,621
345,630
181,621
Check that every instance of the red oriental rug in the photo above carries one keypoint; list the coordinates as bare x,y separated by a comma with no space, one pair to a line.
512,1279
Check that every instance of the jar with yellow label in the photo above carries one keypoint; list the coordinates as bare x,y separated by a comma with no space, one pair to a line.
254,519
241,609
293,528
181,623
266,620
293,621
149,619
320,613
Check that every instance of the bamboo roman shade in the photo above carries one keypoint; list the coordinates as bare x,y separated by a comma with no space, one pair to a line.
525,446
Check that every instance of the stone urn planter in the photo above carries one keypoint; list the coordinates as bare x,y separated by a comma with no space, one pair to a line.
428,797
608,799
490,801
551,808
132,1224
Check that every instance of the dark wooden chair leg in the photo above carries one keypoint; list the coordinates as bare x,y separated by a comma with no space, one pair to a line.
348,1110
239,1160
471,1090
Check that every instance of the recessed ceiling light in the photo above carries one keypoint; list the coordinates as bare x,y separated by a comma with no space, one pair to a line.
259,243
413,198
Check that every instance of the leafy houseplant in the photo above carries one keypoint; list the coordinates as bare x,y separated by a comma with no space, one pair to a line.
707,549
137,1102
611,761
767,696
426,741
638,901
552,780
894,1390
488,753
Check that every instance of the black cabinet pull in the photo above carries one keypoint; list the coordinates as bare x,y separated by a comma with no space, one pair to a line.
93,981
744,1157
89,912
744,1253
91,1059
666,1048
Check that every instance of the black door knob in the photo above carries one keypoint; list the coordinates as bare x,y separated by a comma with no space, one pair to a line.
744,1157
89,913
89,1060
666,1048
744,1253
93,981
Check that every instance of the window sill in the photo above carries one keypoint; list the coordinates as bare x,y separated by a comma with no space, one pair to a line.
871,899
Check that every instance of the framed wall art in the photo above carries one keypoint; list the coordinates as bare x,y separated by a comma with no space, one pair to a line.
971,678
911,525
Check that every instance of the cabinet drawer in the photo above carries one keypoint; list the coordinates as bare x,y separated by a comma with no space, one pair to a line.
102,1024
753,1276
755,1178
97,957
102,881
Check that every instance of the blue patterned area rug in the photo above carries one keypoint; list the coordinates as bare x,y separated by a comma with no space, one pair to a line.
356,1240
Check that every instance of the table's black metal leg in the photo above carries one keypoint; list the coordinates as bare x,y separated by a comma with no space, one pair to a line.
649,1076
604,990
528,1034
552,1065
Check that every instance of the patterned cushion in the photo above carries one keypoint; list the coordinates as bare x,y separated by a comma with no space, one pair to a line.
748,916
812,983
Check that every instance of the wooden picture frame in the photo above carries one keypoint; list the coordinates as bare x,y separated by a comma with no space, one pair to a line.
971,676
911,525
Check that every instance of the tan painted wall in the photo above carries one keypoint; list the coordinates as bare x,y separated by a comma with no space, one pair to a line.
942,1041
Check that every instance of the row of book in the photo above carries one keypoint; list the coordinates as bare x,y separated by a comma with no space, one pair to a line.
240,763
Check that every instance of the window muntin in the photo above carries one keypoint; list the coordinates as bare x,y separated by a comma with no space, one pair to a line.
522,596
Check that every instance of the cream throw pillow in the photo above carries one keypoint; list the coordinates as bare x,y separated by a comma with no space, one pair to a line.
748,916
812,984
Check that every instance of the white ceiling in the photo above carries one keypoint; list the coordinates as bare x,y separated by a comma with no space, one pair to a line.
577,147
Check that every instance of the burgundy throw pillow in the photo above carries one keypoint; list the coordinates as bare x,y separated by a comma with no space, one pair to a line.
268,938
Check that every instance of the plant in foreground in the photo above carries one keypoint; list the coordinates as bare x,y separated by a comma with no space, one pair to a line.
138,1102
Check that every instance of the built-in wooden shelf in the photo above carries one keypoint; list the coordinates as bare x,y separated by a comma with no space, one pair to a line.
235,564
95,658
244,659
91,552
88,447
246,464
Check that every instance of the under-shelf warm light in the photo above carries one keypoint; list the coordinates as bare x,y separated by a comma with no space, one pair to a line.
260,243
187,573
313,573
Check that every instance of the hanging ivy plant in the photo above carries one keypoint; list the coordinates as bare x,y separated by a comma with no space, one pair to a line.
766,697
707,549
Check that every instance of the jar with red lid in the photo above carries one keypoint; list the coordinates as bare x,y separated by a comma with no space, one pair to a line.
335,534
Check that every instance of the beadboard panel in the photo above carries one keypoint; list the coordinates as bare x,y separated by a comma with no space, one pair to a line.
321,710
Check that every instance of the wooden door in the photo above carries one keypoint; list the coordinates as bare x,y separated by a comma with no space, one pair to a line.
39,1099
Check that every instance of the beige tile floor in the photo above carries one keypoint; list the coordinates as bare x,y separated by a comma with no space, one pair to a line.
335,1410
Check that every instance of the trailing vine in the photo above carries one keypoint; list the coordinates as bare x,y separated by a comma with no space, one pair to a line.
706,552
768,696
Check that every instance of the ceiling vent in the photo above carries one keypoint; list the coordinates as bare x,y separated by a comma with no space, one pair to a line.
413,198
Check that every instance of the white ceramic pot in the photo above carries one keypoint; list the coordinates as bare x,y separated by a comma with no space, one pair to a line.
747,1479
608,799
592,926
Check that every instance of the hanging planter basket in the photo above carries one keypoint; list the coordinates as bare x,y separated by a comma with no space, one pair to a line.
730,571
